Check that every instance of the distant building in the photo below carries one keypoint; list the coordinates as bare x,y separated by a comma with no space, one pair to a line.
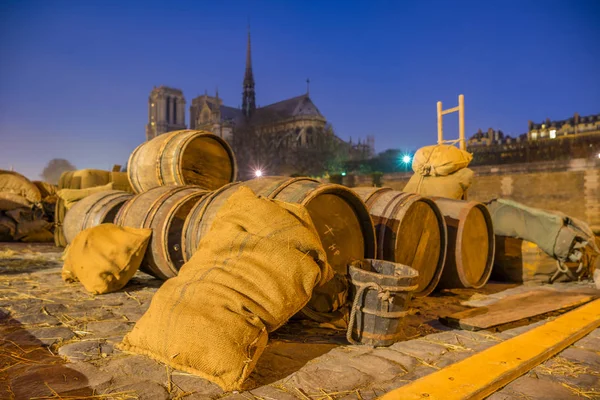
577,137
572,126
294,121
166,111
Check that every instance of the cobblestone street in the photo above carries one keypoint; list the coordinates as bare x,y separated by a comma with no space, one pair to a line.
58,341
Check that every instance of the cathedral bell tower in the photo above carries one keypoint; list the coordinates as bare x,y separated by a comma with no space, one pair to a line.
248,96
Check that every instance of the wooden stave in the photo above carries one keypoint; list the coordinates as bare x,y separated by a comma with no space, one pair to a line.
455,212
155,210
91,211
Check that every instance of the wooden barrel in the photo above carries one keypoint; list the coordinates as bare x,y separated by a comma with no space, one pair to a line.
185,157
164,210
471,244
93,210
340,217
411,230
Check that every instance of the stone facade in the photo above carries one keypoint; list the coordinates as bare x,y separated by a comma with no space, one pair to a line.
570,186
166,111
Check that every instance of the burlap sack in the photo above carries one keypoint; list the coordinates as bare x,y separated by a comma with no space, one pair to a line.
440,160
83,179
12,182
10,201
451,186
8,228
72,196
120,181
39,236
104,258
31,228
46,189
255,268
59,216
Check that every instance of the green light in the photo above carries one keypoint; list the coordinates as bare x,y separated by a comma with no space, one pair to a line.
406,159
343,174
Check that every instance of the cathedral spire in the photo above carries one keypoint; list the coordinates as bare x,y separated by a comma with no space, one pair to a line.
248,97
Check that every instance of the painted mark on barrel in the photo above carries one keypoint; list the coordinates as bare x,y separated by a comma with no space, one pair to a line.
329,230
334,249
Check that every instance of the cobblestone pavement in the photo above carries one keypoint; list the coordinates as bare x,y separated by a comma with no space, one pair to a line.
57,340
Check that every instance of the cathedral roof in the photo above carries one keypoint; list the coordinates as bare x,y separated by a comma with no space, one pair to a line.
231,113
300,106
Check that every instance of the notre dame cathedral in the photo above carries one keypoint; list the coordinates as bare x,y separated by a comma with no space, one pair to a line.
295,122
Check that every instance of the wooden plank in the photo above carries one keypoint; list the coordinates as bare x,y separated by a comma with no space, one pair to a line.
515,308
483,373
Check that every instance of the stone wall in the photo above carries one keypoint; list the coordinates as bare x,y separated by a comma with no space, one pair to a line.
570,186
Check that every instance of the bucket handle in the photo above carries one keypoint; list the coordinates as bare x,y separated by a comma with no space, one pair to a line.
381,292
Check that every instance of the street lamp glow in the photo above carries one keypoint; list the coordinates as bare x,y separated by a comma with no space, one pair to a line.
406,159
258,173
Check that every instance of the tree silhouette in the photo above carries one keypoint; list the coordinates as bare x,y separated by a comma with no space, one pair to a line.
54,170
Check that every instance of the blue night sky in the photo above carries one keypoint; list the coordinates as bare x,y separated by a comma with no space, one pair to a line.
75,75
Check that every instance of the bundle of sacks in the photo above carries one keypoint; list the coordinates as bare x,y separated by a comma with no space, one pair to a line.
441,171
76,185
255,269
554,246
26,208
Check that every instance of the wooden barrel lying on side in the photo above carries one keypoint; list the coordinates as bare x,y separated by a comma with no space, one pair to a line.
340,217
411,230
186,157
471,243
93,210
164,210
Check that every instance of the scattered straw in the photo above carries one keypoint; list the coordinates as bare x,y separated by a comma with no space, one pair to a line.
588,394
133,297
562,367
448,346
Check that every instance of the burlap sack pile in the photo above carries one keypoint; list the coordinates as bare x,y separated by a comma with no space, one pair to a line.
441,170
88,181
23,215
248,277
104,258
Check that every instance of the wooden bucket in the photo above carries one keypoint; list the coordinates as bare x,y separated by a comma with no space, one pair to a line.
382,291
93,210
411,230
340,217
471,243
186,157
164,210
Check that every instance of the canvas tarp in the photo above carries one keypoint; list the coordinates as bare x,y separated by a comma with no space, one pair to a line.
451,186
554,232
104,258
440,160
255,269
12,182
